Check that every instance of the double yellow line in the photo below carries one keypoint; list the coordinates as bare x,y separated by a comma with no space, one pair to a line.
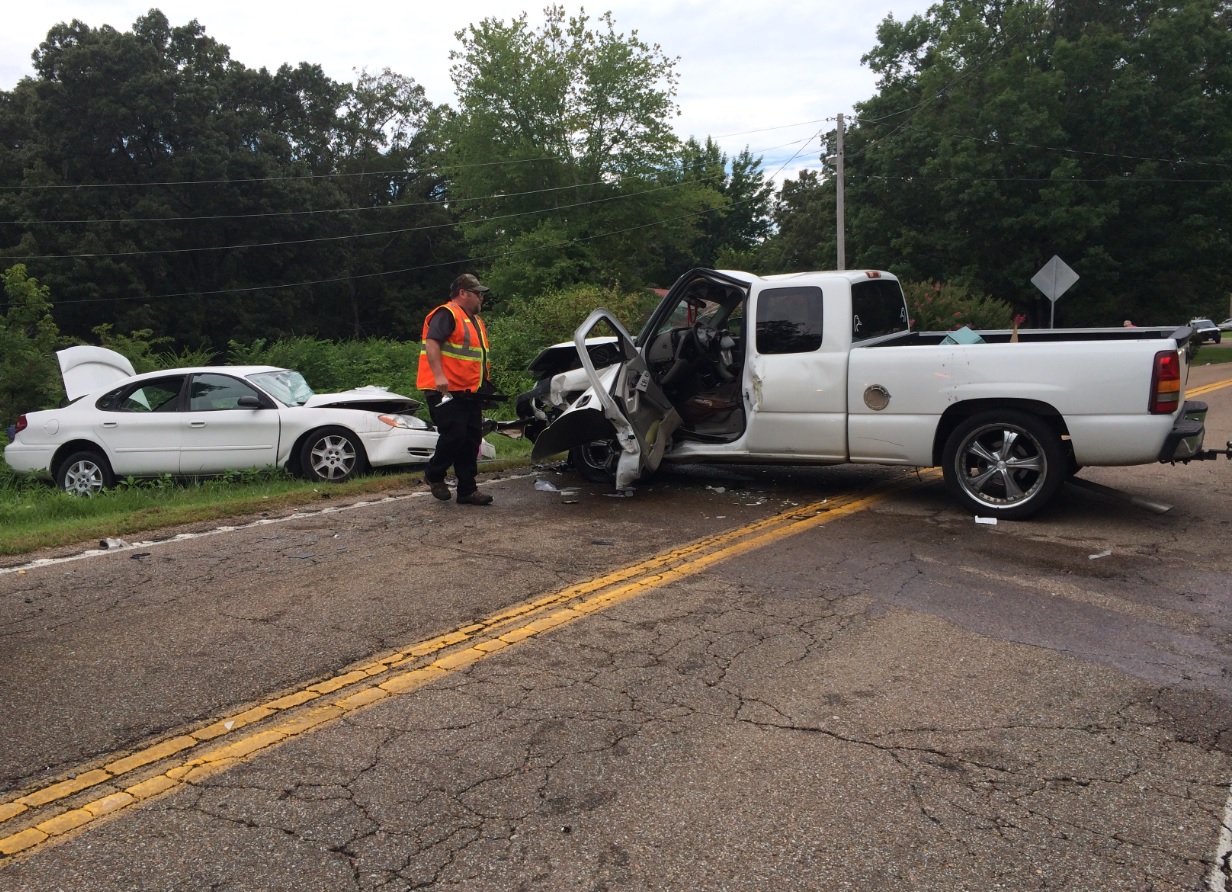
1207,388
115,783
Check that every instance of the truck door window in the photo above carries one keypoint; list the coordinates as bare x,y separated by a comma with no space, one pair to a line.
789,320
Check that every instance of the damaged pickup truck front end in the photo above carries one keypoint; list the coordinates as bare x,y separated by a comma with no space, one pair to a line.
612,401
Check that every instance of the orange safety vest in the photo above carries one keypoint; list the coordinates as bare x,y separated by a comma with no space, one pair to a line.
464,357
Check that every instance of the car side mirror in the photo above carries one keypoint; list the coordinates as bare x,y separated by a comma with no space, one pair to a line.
248,402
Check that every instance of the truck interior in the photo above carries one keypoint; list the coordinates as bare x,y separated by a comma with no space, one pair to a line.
695,348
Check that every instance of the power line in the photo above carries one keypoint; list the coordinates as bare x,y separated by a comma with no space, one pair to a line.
385,273
348,236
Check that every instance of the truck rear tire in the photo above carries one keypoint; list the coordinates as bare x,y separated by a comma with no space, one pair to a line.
1004,463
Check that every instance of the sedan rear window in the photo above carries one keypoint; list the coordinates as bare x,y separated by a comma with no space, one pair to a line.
159,395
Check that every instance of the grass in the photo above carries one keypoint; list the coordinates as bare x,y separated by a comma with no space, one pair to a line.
1210,354
34,514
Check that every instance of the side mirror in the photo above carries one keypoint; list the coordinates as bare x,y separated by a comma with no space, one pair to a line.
248,402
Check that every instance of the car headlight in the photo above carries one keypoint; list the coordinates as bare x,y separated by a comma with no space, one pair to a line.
406,422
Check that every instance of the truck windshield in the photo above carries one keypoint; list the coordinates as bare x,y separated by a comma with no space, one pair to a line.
877,308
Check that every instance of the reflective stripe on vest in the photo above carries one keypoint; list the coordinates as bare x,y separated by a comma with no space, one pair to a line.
464,357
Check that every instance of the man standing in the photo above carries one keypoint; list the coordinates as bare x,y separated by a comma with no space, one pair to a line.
453,368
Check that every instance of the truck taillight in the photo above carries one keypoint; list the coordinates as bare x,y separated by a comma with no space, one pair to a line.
1166,383
20,425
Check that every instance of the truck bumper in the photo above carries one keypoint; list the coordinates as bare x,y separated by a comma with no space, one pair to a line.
1185,439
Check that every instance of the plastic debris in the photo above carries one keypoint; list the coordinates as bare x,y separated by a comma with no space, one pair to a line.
988,520
545,486
1102,554
719,489
112,543
140,554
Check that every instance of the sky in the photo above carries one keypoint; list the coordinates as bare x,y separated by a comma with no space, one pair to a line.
763,74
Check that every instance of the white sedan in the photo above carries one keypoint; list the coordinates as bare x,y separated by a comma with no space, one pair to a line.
207,420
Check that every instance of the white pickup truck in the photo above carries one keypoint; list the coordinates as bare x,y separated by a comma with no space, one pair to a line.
823,368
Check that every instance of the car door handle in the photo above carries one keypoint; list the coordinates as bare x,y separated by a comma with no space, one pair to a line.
196,424
111,424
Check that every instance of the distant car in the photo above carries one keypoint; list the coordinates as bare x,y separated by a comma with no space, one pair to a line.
1205,330
208,420
1226,325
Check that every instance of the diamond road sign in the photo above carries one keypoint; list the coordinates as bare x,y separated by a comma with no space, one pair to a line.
1055,278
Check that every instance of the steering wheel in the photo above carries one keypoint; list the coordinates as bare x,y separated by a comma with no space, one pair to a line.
716,346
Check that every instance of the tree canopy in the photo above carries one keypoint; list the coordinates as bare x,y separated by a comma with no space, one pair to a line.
151,183
1006,131
557,151
156,183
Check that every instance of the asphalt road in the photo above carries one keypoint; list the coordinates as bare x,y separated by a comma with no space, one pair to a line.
735,679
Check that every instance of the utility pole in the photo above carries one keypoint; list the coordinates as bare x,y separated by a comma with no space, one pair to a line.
840,210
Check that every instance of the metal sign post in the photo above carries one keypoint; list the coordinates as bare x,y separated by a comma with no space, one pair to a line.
1054,279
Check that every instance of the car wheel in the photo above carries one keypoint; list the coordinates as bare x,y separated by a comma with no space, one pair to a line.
85,473
331,455
596,461
1004,464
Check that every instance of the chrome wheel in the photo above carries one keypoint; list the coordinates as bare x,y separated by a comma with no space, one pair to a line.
1006,464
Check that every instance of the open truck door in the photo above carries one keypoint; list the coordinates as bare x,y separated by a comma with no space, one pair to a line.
621,425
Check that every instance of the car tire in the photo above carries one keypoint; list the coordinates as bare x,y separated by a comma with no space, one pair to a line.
332,455
596,461
85,473
1004,463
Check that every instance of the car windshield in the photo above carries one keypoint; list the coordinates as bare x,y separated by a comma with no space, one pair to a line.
284,385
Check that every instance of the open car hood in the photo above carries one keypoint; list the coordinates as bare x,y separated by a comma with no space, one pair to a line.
371,398
86,369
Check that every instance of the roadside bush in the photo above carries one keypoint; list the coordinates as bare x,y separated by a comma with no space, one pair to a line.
946,306
524,328
148,353
29,337
330,366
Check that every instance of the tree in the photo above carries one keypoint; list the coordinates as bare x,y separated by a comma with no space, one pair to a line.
804,227
557,147
155,183
733,199
1006,131
29,376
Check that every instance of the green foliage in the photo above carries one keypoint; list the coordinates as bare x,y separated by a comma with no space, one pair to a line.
29,375
805,227
556,152
210,190
945,306
1006,132
331,366
148,353
528,326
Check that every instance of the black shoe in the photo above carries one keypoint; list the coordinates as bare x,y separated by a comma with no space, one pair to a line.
475,498
439,489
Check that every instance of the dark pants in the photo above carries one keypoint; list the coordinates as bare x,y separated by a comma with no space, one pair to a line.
459,427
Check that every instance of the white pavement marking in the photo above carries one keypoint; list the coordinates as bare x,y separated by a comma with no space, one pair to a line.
1223,854
184,537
